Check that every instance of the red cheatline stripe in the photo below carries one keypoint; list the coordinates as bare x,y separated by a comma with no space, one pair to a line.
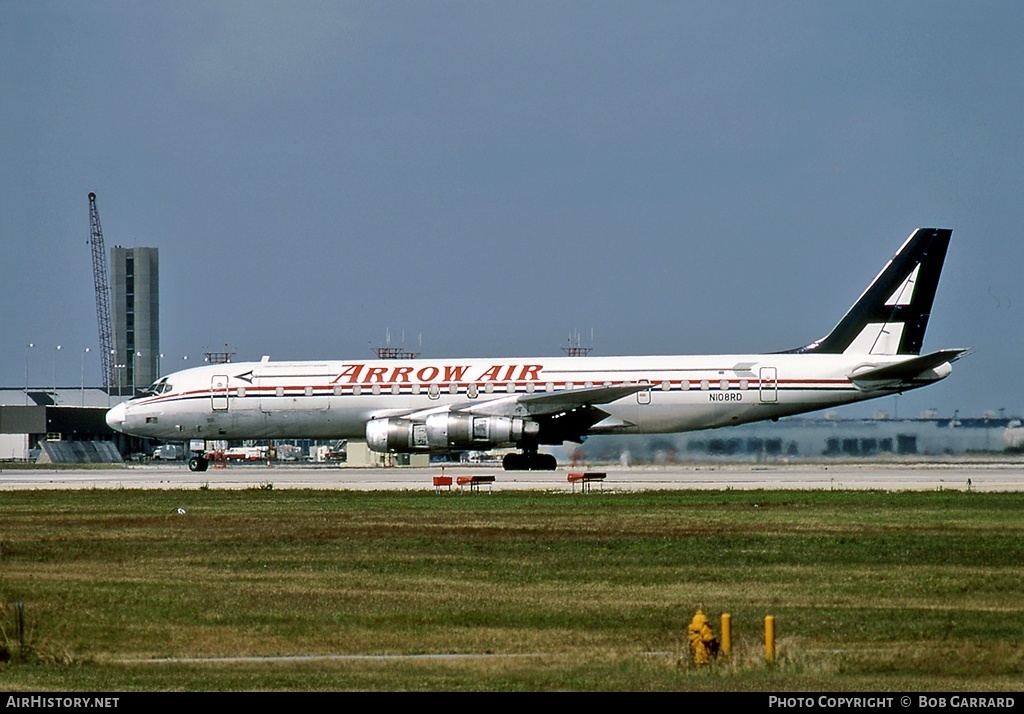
500,388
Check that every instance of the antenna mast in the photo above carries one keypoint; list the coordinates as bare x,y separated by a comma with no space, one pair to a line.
389,352
102,283
575,349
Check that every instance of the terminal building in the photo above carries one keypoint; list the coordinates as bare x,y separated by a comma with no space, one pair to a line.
55,424
60,425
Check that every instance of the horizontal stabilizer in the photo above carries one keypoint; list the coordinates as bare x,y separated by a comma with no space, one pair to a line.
907,371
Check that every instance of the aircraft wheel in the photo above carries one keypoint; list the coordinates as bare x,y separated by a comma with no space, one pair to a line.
529,462
514,462
197,463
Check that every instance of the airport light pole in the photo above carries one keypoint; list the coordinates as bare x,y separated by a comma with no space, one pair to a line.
119,368
29,346
55,352
135,369
110,387
84,353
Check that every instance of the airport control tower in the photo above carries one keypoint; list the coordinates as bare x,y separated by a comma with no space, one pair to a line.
135,317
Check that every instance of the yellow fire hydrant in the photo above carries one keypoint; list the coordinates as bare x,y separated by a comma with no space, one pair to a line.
703,644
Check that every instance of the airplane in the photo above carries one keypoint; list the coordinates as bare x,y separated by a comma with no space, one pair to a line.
444,405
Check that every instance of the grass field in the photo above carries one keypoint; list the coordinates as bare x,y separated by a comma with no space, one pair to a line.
511,591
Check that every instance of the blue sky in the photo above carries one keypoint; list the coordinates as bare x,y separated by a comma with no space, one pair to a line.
486,178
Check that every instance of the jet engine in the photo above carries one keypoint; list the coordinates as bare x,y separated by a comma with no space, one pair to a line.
396,435
447,431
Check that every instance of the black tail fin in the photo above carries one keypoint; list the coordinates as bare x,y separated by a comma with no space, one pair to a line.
891,316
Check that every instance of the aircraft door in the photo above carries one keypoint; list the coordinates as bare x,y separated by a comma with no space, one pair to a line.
768,385
219,392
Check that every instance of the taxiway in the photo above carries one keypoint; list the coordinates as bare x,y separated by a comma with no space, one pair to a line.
997,476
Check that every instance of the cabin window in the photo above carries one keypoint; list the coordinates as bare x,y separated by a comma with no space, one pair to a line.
434,391
241,392
394,389
510,387
376,390
279,392
489,388
569,385
588,385
471,391
744,384
724,385
357,390
309,391
337,390
684,384
415,389
453,388
704,385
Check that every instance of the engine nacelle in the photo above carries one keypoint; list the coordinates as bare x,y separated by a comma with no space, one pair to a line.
396,435
467,431
446,431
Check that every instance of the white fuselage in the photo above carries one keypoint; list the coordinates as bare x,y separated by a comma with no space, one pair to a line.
336,399
440,405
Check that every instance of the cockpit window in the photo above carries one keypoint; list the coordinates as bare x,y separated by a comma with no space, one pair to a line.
158,387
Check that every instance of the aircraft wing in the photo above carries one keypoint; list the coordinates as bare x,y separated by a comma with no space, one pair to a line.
537,405
904,372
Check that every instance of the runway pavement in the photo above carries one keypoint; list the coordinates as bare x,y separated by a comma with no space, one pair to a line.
1007,475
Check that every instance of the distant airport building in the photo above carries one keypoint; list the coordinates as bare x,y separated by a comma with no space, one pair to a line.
60,425
813,438
135,317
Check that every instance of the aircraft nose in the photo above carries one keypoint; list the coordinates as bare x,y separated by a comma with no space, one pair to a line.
115,416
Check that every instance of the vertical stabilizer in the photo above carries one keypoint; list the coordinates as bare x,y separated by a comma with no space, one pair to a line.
891,316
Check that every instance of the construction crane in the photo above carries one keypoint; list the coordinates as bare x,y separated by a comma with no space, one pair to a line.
102,283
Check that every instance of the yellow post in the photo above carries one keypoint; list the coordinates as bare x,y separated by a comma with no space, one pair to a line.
769,639
726,633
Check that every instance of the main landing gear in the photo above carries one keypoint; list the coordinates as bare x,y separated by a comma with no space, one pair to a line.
529,461
199,462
